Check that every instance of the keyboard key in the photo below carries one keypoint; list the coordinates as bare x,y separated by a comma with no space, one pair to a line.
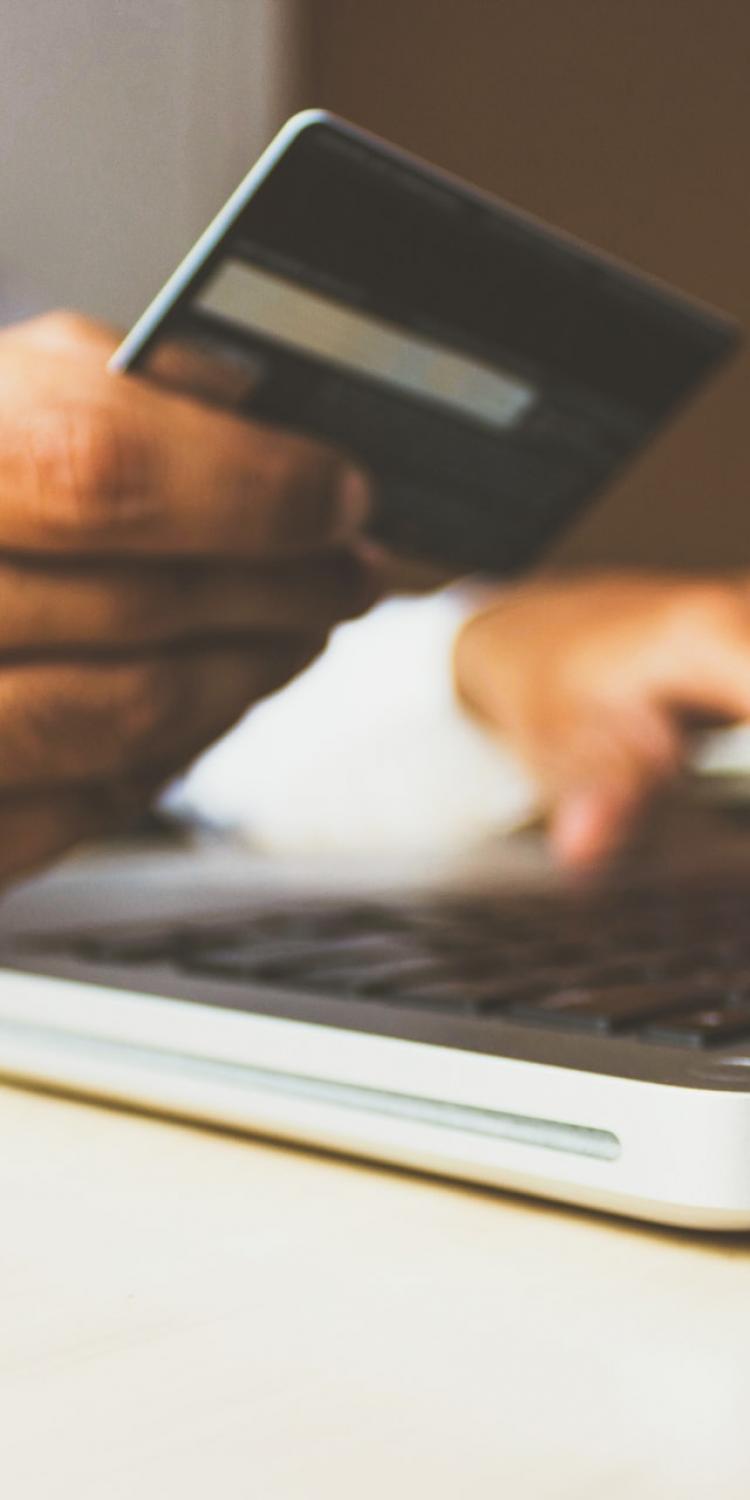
619,972
707,1027
349,978
450,993
687,967
313,963
489,994
234,961
129,950
608,1011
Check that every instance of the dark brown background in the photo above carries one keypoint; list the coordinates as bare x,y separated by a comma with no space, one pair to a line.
624,121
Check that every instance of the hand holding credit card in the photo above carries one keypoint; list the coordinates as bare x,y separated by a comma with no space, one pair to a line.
491,374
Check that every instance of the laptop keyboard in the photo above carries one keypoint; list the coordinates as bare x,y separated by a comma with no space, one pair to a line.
667,967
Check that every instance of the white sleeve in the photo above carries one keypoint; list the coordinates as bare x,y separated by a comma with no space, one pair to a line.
369,749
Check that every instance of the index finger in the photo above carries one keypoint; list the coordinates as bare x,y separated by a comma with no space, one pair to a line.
91,462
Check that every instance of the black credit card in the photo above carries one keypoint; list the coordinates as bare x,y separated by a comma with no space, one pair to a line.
491,373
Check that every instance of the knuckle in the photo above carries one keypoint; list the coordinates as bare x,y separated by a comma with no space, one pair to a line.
139,612
302,489
151,709
63,328
86,468
54,727
68,724
350,589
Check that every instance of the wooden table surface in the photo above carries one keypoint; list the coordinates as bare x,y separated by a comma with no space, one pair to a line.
190,1314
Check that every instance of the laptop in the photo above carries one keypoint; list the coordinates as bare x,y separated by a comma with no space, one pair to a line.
589,1046
477,1019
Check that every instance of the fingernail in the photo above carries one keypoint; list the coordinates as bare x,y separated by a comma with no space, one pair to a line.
577,829
354,500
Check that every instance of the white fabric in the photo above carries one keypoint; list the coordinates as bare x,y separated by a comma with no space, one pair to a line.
369,749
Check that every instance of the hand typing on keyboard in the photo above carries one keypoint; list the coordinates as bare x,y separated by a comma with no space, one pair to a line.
596,682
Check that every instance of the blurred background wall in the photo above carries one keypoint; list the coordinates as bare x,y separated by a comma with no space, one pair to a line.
624,121
124,124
